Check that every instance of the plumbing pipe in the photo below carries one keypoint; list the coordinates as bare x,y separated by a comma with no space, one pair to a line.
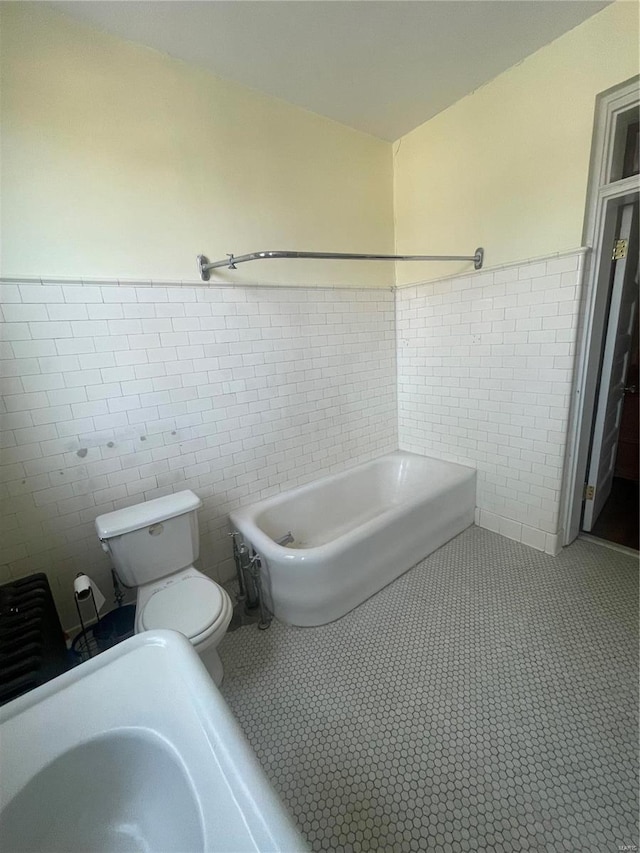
253,598
242,594
256,565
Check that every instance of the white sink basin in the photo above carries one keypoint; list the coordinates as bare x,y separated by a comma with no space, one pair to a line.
105,795
135,750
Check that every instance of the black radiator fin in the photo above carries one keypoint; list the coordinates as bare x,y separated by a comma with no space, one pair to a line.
32,643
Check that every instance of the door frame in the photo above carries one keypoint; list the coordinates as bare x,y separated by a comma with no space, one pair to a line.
622,287
603,201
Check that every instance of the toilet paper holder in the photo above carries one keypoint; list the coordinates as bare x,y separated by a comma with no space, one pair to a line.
83,591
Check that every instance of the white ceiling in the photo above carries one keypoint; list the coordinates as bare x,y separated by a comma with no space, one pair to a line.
380,66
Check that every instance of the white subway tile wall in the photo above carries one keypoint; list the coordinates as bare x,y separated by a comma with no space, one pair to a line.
485,369
115,394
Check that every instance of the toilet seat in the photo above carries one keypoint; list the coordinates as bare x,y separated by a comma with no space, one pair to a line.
192,605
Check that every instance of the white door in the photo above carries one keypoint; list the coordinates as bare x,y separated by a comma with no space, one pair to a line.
615,364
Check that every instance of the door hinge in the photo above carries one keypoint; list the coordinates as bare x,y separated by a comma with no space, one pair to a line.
589,492
619,250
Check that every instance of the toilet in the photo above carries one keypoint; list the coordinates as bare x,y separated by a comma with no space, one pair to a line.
153,546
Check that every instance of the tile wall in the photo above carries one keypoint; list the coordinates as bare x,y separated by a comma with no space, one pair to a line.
113,393
485,366
117,393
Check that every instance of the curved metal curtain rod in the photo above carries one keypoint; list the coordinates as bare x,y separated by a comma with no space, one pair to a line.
205,266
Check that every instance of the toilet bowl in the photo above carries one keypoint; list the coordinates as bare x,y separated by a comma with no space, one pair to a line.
153,546
194,605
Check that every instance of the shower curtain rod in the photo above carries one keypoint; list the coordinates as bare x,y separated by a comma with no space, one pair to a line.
205,266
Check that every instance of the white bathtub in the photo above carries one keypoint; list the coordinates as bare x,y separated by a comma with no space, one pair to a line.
354,532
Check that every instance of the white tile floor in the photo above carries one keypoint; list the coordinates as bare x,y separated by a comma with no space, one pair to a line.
486,700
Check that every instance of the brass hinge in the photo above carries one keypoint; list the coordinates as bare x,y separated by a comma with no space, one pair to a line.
619,250
589,492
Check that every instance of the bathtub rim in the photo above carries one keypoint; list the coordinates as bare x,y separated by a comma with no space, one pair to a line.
261,539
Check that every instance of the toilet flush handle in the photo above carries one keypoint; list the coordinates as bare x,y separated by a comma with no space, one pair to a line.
105,546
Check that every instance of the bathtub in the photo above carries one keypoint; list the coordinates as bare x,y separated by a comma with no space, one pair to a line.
354,532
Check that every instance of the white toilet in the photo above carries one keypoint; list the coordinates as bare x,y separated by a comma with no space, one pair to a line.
153,546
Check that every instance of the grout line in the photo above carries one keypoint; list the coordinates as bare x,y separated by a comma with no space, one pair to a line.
123,282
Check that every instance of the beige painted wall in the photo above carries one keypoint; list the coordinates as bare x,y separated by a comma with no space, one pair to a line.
118,161
507,166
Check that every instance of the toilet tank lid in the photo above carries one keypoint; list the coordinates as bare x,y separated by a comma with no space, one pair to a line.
145,514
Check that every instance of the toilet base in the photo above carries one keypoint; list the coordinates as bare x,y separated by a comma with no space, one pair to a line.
211,659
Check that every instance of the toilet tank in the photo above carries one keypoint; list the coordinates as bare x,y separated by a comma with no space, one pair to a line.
153,539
